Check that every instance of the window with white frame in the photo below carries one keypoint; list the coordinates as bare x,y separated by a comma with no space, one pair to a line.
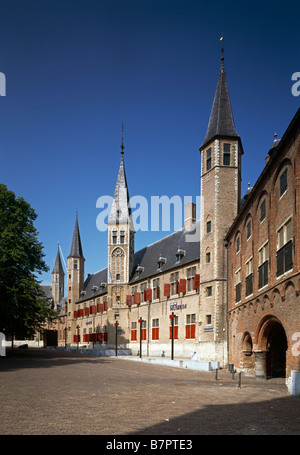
238,286
249,277
284,248
191,272
263,265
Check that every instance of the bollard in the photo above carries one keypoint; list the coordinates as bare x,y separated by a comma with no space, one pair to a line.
216,374
239,380
232,373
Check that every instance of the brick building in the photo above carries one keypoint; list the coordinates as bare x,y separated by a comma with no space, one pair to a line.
264,268
232,292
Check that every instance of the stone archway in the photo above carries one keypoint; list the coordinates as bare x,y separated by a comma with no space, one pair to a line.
270,355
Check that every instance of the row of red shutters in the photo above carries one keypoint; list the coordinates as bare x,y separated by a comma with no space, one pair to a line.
92,337
190,331
180,285
99,308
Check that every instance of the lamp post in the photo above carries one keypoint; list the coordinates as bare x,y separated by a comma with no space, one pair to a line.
141,323
172,335
78,327
116,326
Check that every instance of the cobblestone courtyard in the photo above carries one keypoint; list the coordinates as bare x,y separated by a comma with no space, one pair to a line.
52,392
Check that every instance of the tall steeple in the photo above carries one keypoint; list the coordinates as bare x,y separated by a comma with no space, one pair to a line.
120,210
220,197
221,121
76,248
120,237
58,277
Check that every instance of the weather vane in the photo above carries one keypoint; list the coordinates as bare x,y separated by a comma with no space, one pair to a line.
122,145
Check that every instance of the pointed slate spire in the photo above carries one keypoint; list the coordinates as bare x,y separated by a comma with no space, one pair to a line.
76,248
58,268
221,121
120,209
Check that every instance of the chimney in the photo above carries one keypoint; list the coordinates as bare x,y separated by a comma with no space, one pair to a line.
189,215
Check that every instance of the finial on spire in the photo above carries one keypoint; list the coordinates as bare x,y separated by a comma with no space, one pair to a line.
122,144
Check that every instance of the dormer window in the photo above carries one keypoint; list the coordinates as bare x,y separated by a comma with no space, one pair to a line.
138,271
179,254
95,288
161,261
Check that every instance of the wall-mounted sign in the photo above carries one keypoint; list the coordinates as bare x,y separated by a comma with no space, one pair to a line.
89,322
177,306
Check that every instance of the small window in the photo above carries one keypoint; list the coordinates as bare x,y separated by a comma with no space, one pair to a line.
114,237
208,258
118,276
263,266
75,264
238,244
283,182
174,283
122,237
191,271
226,155
209,291
263,210
248,229
208,159
208,319
208,227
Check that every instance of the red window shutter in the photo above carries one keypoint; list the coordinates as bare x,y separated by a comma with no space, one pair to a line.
105,336
193,330
86,311
133,335
182,285
176,332
99,337
187,331
144,334
105,306
91,309
128,300
75,314
99,308
197,281
167,289
137,298
75,338
80,313
149,294
94,311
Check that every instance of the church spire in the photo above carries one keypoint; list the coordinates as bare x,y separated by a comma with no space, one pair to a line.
58,268
120,209
221,121
76,248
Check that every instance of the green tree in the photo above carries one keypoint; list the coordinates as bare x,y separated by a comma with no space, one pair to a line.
23,305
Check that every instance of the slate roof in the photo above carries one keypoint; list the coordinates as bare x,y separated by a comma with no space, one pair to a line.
76,248
147,259
221,121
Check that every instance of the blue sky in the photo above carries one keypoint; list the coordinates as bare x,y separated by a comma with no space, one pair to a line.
76,70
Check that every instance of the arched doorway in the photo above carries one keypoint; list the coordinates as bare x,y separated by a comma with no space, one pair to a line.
272,347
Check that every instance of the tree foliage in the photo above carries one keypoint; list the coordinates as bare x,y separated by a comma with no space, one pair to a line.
23,305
